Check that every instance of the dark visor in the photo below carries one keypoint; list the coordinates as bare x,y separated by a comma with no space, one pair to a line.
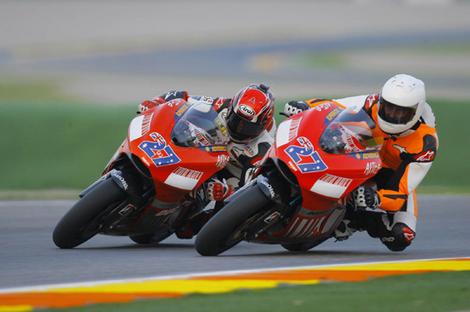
242,129
395,114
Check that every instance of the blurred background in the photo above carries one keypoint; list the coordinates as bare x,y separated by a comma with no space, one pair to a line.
73,72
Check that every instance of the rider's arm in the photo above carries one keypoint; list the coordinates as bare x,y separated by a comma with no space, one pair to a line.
165,97
294,107
408,176
354,101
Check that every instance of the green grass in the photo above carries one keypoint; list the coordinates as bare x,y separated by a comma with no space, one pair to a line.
428,293
452,164
31,91
56,144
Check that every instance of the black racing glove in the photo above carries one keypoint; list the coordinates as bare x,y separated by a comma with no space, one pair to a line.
365,197
294,107
174,94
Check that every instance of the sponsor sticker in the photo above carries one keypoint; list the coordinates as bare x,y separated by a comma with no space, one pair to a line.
331,185
222,160
294,128
322,107
146,123
363,156
182,109
427,156
372,168
184,178
331,115
247,111
216,148
305,227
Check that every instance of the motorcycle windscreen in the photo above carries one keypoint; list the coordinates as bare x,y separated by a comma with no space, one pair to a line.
200,126
350,132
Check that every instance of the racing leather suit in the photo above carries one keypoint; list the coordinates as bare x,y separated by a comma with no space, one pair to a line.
406,159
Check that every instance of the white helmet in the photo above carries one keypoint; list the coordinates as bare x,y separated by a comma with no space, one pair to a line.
401,103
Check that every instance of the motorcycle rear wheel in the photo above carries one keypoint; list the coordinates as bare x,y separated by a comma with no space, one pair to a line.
80,224
302,247
225,229
151,238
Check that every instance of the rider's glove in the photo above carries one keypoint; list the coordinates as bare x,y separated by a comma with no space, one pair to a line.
219,190
149,104
174,94
365,197
294,107
165,97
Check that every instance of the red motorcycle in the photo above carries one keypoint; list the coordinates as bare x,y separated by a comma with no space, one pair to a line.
154,182
298,197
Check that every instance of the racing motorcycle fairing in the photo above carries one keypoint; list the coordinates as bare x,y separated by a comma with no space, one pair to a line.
177,146
330,151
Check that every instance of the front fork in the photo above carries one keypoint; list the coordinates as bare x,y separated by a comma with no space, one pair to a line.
280,206
115,175
136,198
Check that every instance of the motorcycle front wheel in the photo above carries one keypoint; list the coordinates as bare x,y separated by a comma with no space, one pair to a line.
81,222
225,229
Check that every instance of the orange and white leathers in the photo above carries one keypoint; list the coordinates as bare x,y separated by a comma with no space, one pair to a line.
406,159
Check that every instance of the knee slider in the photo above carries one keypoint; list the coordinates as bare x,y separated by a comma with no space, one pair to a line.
400,238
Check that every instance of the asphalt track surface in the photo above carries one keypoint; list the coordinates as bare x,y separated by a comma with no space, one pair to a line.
28,256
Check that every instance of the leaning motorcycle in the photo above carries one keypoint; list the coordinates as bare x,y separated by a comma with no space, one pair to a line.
154,182
299,195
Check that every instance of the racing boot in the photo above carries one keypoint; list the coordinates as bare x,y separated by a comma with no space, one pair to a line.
399,237
344,230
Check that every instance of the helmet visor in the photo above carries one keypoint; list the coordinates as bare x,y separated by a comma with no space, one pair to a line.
241,129
396,114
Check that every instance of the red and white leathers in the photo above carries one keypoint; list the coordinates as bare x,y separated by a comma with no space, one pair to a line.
244,157
406,159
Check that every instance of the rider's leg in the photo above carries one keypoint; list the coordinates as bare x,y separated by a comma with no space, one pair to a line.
402,227
396,231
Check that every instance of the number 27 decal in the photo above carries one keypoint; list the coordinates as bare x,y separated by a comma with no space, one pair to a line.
158,151
305,157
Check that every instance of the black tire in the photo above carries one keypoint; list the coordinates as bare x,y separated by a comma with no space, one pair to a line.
299,247
77,226
142,239
152,238
217,235
302,247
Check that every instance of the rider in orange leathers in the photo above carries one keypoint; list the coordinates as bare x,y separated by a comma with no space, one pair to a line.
388,209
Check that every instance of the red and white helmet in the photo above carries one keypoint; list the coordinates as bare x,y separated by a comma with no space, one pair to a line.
401,103
251,112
